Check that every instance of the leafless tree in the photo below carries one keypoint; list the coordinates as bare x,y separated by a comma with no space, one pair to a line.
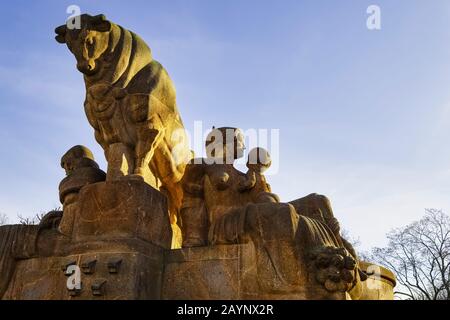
355,242
3,219
30,220
419,255
36,219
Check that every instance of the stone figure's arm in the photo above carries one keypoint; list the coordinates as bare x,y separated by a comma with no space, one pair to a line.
192,181
89,114
267,185
193,188
247,182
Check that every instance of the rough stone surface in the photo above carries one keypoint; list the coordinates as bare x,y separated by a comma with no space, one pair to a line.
232,272
219,272
137,277
124,209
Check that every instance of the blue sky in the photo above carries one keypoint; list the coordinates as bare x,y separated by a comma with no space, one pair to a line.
364,116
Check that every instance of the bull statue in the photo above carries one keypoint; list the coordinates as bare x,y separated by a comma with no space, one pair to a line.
130,102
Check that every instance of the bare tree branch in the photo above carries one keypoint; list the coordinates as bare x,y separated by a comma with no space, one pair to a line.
419,254
3,219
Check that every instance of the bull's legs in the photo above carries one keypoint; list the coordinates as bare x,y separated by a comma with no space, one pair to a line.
120,161
167,165
147,141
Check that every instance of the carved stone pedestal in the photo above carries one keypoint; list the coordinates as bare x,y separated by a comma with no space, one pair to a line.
125,209
230,272
112,276
120,233
120,248
216,272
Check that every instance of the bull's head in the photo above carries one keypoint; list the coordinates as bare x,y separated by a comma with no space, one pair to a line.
87,43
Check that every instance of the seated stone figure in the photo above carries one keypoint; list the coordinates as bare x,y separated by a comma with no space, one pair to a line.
78,157
222,206
81,170
200,206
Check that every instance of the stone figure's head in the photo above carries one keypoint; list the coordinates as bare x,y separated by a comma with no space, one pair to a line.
259,160
77,157
88,41
226,144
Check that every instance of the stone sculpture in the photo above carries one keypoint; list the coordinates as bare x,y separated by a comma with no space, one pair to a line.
81,170
226,211
131,104
117,236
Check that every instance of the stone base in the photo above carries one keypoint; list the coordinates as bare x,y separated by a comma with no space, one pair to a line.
219,272
120,231
112,276
228,272
120,245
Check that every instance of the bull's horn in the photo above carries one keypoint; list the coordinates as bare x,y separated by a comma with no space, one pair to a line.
100,23
61,33
99,18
